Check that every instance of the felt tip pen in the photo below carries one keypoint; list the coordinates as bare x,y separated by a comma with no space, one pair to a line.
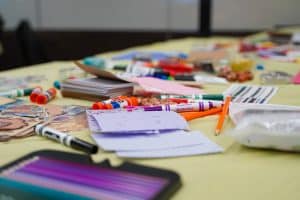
16,93
218,97
183,100
187,107
66,139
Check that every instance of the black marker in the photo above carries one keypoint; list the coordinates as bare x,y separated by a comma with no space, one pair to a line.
65,139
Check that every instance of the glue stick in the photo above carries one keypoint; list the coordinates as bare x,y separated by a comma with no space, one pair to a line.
46,96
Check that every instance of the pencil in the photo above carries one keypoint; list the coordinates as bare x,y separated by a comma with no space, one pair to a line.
188,116
223,115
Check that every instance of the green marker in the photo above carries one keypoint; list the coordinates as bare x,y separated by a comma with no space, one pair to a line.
217,97
16,93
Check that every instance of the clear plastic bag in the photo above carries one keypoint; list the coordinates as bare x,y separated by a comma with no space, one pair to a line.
266,126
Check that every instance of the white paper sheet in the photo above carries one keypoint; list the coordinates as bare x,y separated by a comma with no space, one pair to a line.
208,148
171,144
139,121
148,142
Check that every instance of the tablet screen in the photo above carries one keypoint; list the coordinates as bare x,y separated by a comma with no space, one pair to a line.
81,180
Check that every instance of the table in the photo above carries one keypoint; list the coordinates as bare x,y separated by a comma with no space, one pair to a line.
238,173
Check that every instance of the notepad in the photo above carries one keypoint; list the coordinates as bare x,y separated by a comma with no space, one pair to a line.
153,134
117,121
95,87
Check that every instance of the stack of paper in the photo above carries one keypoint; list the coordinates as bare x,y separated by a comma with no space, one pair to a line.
95,88
142,134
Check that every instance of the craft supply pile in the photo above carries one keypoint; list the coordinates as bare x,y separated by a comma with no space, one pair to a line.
143,104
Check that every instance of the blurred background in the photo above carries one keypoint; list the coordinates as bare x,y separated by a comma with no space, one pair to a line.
36,31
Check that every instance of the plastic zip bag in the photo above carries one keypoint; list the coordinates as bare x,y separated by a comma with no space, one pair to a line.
266,126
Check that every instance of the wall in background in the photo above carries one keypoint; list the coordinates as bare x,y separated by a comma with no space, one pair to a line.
176,15
254,14
73,29
103,14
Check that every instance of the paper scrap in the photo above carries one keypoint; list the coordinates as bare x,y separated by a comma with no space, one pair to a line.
296,78
156,85
251,93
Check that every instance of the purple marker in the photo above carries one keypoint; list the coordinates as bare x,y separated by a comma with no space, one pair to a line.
184,107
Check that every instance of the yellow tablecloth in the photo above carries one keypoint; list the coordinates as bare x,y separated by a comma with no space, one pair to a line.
238,173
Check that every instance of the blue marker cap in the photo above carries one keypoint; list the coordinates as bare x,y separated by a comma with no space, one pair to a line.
115,104
94,62
260,67
56,84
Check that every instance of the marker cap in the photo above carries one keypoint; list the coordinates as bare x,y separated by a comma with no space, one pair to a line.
41,99
27,91
98,106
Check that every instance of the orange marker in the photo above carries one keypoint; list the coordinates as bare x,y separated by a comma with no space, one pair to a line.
35,93
132,101
188,116
46,96
223,115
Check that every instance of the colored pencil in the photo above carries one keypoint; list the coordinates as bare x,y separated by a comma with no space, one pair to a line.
223,115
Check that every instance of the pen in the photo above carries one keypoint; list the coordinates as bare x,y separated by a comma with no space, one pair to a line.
66,139
183,100
185,107
217,97
223,115
16,93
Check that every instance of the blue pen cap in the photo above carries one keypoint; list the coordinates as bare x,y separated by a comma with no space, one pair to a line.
94,62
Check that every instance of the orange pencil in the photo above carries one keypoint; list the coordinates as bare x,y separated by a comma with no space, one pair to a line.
193,115
223,115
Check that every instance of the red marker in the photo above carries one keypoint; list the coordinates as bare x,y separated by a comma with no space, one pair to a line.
35,93
46,96
98,106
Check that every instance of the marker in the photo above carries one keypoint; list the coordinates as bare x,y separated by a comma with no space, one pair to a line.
188,116
65,139
219,97
118,102
46,96
35,93
188,107
16,93
183,100
98,106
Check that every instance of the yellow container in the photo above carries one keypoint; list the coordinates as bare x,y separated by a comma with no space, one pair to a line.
241,64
